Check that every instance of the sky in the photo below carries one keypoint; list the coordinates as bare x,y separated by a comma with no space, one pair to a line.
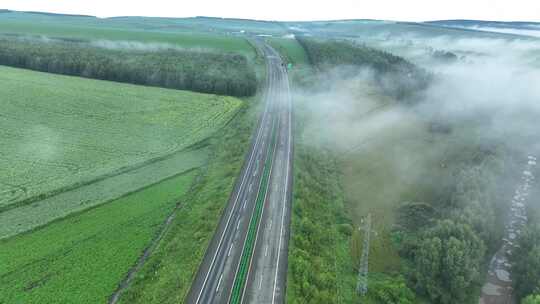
294,10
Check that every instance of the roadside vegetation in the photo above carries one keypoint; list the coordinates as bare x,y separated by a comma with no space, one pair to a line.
162,66
318,228
318,223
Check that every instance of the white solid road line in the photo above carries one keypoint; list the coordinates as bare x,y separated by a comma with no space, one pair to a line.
230,250
219,283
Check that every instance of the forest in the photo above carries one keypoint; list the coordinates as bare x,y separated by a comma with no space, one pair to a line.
200,71
397,76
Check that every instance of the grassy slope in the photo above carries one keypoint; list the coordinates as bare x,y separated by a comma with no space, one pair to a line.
82,258
167,276
82,129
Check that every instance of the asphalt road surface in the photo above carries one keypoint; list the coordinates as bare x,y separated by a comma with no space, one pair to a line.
268,266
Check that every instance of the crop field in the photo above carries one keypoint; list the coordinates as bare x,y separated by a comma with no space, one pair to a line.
82,130
82,258
41,212
88,28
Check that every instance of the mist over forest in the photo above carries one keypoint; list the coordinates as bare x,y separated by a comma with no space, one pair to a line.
454,148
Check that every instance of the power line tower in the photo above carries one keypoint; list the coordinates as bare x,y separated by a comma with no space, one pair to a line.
362,284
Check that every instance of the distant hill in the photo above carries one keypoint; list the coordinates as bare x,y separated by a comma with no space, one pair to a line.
46,14
481,23
516,27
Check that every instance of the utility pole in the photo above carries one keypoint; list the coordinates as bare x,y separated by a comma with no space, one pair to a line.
362,284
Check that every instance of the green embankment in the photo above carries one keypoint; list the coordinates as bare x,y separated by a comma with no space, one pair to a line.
82,258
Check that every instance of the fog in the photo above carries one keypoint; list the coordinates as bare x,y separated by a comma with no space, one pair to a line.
515,31
493,86
144,46
110,44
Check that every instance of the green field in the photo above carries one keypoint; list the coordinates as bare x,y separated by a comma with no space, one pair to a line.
40,212
62,132
82,259
118,29
168,273
290,49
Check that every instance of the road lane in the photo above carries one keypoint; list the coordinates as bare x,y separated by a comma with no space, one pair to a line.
216,274
268,271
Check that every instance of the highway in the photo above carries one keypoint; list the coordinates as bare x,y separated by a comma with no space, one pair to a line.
268,260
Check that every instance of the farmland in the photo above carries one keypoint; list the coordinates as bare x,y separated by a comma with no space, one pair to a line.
168,273
94,168
82,131
122,29
88,253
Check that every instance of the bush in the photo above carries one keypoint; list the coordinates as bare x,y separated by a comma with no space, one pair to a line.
447,262
532,299
391,291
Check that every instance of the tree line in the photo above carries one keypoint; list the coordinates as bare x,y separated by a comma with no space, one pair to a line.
206,72
397,76
446,240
